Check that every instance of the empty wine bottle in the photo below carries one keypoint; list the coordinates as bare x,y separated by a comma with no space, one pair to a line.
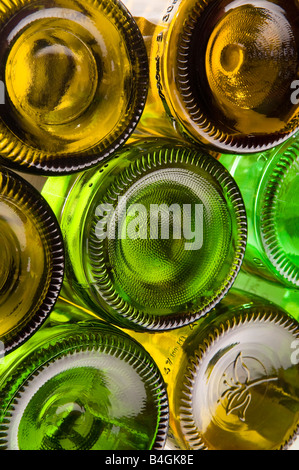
81,385
75,76
268,182
232,377
31,260
154,238
227,72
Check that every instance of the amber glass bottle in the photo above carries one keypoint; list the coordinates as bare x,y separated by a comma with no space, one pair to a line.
76,80
31,260
227,71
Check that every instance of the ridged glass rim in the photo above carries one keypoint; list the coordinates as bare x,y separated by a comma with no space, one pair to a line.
89,158
206,129
251,315
268,235
120,346
154,160
15,186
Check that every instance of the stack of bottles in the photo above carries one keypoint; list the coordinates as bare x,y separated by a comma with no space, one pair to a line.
149,225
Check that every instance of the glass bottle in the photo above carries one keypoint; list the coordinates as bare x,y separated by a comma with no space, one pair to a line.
227,71
269,184
154,238
75,76
232,377
80,384
31,260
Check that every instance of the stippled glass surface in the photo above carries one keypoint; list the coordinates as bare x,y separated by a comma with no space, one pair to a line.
154,238
235,66
81,386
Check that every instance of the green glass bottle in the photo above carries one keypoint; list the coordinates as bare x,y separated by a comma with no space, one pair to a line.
31,260
227,72
232,377
154,238
81,385
75,76
269,185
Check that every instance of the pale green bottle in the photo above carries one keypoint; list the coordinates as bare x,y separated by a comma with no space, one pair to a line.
80,384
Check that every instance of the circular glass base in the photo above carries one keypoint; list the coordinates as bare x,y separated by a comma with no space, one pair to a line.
162,240
88,388
234,92
237,381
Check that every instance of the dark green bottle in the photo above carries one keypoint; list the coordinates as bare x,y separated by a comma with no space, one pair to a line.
154,238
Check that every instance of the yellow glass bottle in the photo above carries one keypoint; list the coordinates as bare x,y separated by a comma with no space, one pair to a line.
76,79
31,260
227,71
232,377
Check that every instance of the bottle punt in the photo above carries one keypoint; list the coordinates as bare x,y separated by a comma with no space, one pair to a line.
31,262
76,78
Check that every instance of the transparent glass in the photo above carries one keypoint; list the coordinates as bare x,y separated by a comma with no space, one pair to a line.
81,385
269,184
232,377
154,238
226,72
76,80
31,260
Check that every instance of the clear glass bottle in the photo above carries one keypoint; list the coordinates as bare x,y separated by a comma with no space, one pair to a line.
227,71
80,384
154,238
232,377
269,184
31,260
76,80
